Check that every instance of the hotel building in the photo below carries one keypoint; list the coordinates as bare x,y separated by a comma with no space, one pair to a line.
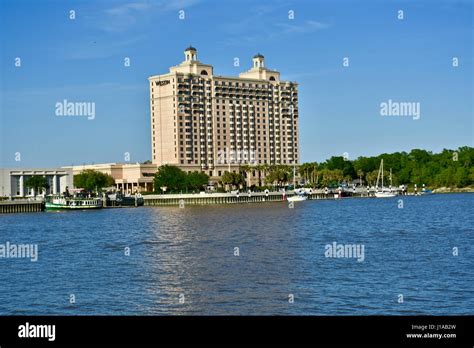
205,122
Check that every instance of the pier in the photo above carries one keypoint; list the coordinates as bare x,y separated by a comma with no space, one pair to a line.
254,197
228,198
26,206
21,206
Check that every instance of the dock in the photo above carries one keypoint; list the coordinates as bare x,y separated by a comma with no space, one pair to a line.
228,198
21,206
25,206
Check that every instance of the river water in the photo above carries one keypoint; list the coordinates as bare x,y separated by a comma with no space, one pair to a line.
245,259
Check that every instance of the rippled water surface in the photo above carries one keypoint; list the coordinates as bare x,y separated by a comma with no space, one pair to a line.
190,252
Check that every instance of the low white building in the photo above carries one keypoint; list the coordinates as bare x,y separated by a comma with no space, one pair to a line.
12,181
129,177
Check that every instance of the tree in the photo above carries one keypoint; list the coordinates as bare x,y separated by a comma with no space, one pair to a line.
371,177
171,177
331,177
308,172
37,183
450,168
232,179
360,174
280,175
93,180
227,178
245,170
196,180
461,177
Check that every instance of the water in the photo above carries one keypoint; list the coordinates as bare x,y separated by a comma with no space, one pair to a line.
190,252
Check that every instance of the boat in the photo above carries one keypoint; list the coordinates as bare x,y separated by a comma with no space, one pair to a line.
384,192
299,195
297,198
118,199
72,203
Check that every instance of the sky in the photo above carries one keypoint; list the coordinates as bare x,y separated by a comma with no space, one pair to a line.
348,57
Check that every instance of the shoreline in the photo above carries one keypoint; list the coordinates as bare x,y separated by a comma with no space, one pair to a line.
181,200
454,190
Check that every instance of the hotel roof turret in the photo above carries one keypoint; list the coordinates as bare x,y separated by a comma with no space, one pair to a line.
191,64
258,70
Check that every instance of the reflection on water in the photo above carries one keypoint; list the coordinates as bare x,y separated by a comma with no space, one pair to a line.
188,255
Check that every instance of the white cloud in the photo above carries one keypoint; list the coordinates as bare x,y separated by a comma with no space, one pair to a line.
309,26
124,16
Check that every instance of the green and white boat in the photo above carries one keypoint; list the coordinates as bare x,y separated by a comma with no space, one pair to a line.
60,202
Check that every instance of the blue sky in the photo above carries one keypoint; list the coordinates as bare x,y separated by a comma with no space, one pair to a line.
407,60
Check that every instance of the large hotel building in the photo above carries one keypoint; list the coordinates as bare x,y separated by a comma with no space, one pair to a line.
205,122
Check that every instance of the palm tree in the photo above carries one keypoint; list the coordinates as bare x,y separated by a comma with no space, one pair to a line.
371,177
245,169
360,174
263,171
304,169
260,168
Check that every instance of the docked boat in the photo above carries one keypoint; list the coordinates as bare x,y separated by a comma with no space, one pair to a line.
61,202
299,194
384,192
118,199
297,198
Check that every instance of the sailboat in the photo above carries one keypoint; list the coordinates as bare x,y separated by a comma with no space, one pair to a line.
384,192
299,197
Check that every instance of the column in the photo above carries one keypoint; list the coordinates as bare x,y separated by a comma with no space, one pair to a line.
55,183
22,192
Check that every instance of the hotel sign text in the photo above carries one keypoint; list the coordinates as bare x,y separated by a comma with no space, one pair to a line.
162,83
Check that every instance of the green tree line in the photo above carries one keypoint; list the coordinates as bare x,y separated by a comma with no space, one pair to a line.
92,180
172,179
449,168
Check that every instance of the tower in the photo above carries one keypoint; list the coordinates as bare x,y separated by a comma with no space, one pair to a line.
190,54
258,61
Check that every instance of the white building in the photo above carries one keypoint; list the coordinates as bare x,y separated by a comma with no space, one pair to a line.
12,181
129,177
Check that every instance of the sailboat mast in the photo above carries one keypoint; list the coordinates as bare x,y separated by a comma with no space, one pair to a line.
294,175
381,168
390,178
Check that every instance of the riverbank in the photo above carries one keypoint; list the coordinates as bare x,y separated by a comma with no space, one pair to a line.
468,189
23,206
